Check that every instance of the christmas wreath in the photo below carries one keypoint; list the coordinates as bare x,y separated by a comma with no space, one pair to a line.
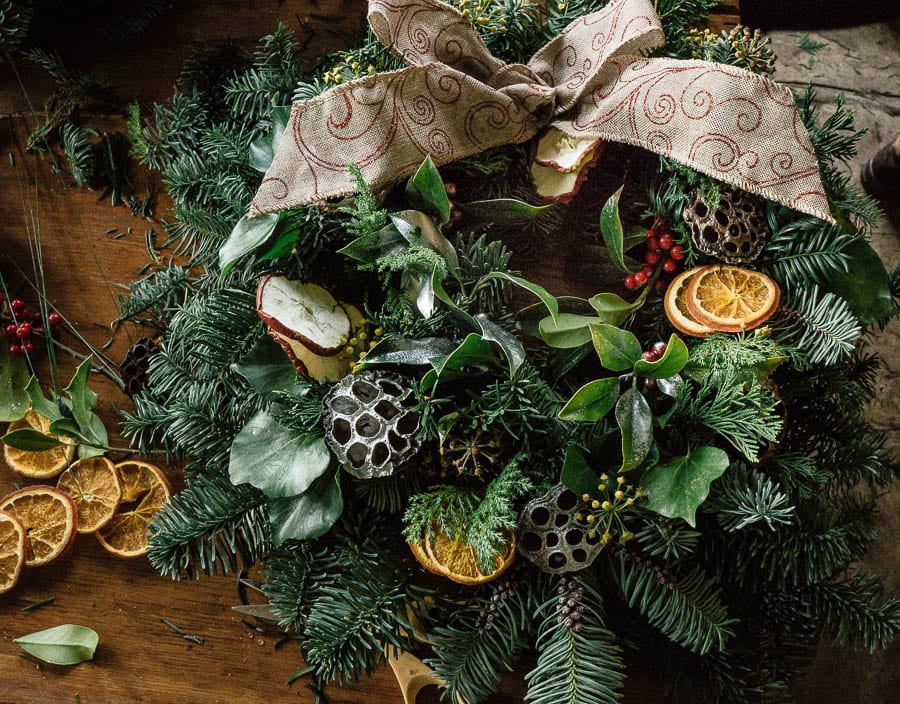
430,453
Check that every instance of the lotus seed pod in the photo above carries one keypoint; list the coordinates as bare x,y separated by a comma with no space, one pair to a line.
734,231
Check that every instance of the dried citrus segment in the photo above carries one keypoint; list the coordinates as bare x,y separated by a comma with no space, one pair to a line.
49,517
37,465
12,551
731,299
676,306
455,560
144,491
93,484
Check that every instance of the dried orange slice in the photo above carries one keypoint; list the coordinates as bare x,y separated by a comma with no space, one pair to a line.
144,491
731,299
49,518
676,307
12,550
37,465
455,560
93,484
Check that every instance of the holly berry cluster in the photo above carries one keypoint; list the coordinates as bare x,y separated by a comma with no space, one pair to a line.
661,257
20,325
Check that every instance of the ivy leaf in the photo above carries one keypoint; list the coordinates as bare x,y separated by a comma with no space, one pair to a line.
278,460
425,188
567,331
672,361
262,150
308,515
577,473
266,368
61,645
611,229
635,420
247,234
14,400
30,440
676,488
618,349
865,285
592,401
614,310
397,349
502,211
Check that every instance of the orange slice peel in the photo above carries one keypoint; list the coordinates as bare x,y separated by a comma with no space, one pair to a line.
49,518
730,298
12,550
44,464
145,491
93,484
676,306
456,560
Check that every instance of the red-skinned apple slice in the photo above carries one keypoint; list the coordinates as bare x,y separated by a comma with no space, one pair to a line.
305,313
560,152
562,186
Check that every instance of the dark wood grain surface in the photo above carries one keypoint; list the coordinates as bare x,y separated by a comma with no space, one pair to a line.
140,659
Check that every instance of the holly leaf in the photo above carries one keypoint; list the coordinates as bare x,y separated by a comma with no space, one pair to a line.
425,189
278,460
635,421
266,368
14,401
397,349
672,361
90,428
61,645
592,401
676,488
618,349
247,234
39,404
262,150
577,473
308,515
30,440
865,285
611,229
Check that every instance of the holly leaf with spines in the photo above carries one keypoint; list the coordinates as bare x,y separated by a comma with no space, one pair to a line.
676,488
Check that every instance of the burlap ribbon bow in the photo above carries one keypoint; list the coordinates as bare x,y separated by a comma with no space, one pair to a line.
456,99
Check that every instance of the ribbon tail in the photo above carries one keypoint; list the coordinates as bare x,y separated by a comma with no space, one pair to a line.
387,124
733,125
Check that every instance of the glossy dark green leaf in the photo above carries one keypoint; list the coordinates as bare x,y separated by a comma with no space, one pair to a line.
618,349
39,404
308,515
676,488
370,247
248,234
266,368
419,229
670,386
530,317
97,441
543,294
592,401
865,285
61,645
30,440
507,342
262,149
278,460
425,189
577,473
635,421
614,310
672,361
567,331
502,212
14,376
473,350
611,229
634,236
397,349
90,428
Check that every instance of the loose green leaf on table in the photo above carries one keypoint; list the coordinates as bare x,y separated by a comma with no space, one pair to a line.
672,361
611,229
308,515
592,401
425,189
618,349
635,421
676,488
61,645
14,375
577,473
278,460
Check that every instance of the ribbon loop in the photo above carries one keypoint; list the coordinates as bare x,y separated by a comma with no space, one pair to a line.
591,82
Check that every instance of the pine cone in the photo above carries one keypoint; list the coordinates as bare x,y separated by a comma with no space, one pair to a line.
136,364
369,424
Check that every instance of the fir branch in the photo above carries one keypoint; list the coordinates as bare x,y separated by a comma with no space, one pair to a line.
76,146
800,474
389,494
818,323
857,612
293,577
212,527
745,497
687,610
667,538
132,20
806,250
15,18
578,660
477,259
301,410
153,299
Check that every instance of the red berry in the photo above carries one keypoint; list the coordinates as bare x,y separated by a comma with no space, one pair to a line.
36,316
18,306
653,244
652,232
666,241
659,349
648,356
630,281
11,330
55,320
651,257
23,331
16,350
640,277
677,252
29,347
669,266
648,271
659,285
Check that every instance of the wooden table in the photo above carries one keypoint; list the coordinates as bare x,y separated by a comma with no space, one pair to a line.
139,658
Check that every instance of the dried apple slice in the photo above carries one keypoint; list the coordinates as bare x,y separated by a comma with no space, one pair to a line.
558,170
563,153
303,312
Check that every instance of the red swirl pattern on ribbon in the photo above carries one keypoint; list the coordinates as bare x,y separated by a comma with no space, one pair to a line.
456,99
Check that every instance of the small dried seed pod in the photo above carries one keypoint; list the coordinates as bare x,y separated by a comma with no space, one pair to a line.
734,231
369,424
552,537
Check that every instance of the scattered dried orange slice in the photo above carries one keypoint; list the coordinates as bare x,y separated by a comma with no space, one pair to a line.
93,484
731,299
49,517
455,560
145,490
676,307
12,550
37,465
